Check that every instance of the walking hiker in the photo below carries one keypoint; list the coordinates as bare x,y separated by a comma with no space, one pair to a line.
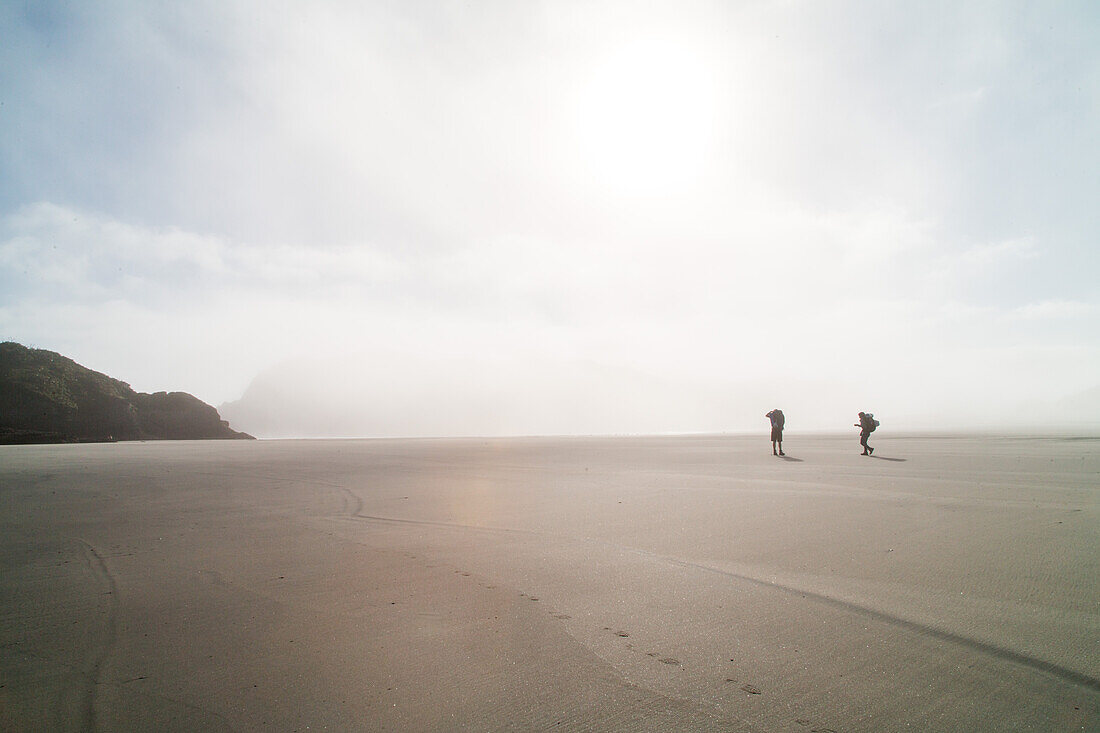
867,424
776,416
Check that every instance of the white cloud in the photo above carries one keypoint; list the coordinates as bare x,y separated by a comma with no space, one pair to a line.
989,254
1058,310
98,258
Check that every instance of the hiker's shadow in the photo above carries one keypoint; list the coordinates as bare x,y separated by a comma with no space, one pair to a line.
792,460
894,460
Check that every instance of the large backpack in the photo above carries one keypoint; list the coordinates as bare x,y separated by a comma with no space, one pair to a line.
872,423
777,418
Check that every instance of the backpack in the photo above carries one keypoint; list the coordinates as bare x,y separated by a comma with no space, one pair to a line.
872,423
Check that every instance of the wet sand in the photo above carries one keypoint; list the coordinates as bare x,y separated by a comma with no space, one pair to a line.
666,583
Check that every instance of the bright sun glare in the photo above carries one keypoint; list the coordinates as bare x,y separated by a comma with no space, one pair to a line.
646,119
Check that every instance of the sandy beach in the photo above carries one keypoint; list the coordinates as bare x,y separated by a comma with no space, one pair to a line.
654,583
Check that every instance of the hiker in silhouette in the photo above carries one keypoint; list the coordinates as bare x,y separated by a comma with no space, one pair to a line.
867,424
776,416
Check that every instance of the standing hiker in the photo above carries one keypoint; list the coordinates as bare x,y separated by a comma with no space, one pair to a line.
776,416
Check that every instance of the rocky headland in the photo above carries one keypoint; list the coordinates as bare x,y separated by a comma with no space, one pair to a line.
48,398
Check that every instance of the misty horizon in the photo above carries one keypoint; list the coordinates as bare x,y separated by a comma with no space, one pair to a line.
462,399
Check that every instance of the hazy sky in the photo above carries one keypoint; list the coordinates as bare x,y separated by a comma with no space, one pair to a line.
719,207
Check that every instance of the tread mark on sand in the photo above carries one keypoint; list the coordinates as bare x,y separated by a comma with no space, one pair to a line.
1072,676
353,503
92,668
101,648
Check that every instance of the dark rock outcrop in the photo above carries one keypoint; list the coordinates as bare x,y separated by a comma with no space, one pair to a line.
48,398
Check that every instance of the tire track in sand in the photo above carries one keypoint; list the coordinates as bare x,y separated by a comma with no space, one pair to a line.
1072,676
999,652
91,668
100,648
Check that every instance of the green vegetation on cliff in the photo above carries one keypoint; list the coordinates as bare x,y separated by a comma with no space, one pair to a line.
48,398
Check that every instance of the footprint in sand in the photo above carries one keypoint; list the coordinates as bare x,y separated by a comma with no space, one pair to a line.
751,689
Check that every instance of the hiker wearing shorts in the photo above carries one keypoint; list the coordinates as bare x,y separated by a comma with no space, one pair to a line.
776,416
